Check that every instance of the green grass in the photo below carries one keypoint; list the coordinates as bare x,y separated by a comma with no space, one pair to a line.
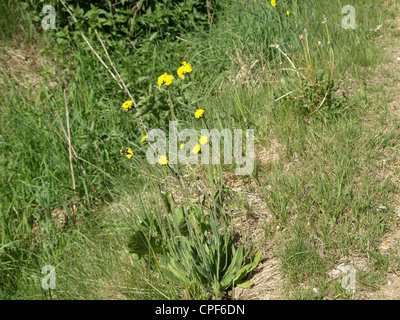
323,192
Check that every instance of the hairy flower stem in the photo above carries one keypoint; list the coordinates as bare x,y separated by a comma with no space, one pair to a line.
179,177
171,108
194,91
174,132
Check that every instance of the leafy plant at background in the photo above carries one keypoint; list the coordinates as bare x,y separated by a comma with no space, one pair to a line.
126,22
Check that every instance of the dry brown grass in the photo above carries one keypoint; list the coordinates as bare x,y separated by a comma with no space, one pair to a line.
26,66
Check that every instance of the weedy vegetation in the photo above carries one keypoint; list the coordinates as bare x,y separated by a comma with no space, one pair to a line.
77,103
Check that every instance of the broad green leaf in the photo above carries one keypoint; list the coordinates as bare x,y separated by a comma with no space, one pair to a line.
246,284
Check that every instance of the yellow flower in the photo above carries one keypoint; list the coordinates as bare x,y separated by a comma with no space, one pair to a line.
163,160
288,13
181,146
196,149
273,2
199,113
127,152
165,79
127,105
185,68
181,72
188,67
144,138
203,140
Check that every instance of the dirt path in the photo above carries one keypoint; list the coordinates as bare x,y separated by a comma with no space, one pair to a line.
388,75
267,278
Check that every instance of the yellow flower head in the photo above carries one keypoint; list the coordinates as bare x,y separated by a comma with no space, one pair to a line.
127,152
144,138
185,68
203,140
163,160
181,146
199,113
196,149
127,105
188,67
288,13
181,72
165,79
273,2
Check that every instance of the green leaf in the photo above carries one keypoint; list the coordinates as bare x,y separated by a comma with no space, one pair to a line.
180,221
137,243
256,261
246,284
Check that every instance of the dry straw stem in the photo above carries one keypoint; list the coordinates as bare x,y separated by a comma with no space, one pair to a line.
307,56
299,74
62,139
137,9
90,46
295,69
69,140
285,95
112,65
120,78
68,136
208,11
123,86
